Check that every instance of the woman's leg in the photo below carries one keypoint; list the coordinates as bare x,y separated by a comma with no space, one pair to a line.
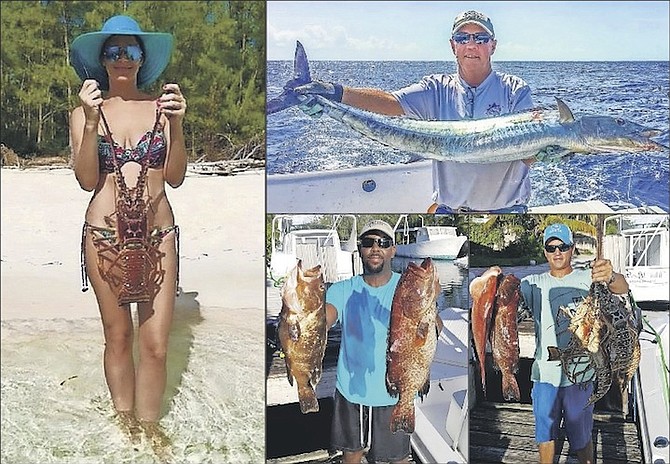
118,331
154,329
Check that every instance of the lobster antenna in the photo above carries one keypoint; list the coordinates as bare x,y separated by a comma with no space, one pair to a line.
600,226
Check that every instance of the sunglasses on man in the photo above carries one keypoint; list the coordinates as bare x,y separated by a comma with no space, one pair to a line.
563,247
368,242
132,52
462,38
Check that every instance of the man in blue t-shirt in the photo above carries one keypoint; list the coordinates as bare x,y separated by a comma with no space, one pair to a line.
362,306
475,91
553,395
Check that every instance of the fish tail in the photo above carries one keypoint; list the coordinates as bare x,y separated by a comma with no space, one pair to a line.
402,417
301,75
483,375
425,388
510,388
307,400
289,374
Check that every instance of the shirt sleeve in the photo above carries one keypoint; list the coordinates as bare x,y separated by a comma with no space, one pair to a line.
520,94
418,100
334,296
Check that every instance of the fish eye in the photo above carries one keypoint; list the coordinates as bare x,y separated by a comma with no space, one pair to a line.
620,121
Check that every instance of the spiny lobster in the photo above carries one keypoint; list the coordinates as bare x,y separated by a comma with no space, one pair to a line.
128,256
604,341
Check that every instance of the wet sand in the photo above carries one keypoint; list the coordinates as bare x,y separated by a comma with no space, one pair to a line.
55,404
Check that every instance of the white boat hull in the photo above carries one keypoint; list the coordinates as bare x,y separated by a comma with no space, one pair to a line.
391,188
652,389
436,249
396,188
441,431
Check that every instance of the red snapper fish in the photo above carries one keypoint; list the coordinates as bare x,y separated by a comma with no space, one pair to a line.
483,293
412,340
303,333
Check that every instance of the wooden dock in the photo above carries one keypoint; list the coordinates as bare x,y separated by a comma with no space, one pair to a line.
505,433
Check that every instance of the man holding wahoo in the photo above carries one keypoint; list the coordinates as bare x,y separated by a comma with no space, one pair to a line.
475,91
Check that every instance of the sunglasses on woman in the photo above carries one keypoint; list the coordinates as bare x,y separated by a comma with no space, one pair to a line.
368,242
132,52
462,38
563,247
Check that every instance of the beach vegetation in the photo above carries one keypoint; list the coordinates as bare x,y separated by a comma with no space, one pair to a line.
218,60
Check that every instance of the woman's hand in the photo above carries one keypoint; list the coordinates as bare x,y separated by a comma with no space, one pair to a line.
172,103
90,96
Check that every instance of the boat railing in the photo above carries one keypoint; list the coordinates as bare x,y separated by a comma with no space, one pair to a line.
641,247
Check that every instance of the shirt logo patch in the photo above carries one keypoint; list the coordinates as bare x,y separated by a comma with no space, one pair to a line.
493,110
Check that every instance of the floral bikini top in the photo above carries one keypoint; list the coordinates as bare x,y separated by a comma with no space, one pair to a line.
155,158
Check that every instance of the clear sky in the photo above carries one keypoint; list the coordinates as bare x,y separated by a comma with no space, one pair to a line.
526,31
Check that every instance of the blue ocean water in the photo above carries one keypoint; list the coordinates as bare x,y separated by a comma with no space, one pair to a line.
637,91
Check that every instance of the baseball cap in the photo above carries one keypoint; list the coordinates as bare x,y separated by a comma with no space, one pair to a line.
559,231
378,225
473,17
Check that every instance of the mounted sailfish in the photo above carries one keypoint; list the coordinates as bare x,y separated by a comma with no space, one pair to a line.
545,134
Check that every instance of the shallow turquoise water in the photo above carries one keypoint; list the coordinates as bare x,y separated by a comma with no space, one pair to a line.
56,408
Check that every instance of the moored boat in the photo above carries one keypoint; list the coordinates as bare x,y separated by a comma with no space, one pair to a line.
436,241
313,246
640,250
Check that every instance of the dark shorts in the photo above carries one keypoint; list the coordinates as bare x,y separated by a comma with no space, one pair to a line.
351,431
551,403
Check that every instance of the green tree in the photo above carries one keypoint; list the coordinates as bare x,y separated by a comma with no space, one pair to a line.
219,62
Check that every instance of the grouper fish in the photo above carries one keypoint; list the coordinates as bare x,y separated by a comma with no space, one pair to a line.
546,134
412,340
505,335
302,331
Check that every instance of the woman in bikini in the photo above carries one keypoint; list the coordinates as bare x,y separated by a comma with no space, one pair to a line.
126,145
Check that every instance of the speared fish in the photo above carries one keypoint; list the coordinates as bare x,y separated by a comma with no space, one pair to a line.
412,340
547,135
303,333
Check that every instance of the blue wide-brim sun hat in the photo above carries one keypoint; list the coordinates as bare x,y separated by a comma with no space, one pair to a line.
86,49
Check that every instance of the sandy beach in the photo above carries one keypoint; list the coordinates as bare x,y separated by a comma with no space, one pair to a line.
55,404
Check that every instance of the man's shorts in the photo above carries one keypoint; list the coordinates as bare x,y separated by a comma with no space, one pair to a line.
551,403
354,429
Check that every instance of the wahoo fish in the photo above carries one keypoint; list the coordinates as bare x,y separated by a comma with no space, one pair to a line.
505,336
412,340
547,135
303,333
483,291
